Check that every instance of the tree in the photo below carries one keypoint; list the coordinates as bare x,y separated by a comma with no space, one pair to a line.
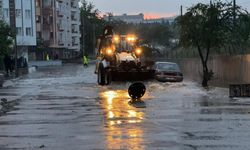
6,38
40,44
151,34
207,26
241,34
156,34
91,25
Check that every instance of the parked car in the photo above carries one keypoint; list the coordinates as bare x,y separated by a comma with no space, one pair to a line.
168,72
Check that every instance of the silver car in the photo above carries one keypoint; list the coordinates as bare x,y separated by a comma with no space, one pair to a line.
168,72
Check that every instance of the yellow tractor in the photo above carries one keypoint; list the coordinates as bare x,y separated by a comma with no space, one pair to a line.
119,57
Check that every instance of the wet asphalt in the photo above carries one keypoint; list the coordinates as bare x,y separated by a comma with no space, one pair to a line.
62,108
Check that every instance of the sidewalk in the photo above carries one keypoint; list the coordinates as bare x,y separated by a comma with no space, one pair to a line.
22,71
45,63
4,78
4,106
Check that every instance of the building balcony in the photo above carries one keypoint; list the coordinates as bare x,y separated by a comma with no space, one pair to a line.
60,27
75,44
73,5
60,43
73,18
60,13
74,31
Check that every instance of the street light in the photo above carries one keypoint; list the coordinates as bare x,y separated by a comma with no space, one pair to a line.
13,27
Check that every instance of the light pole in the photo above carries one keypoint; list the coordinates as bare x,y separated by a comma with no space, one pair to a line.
13,27
83,36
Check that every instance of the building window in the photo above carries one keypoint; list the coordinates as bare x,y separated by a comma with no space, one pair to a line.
39,35
38,3
19,31
60,40
6,13
28,14
47,2
38,19
51,35
18,13
28,32
51,19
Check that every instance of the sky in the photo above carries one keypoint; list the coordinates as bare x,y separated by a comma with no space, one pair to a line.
151,8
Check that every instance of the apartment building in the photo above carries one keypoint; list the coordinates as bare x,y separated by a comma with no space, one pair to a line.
25,23
58,23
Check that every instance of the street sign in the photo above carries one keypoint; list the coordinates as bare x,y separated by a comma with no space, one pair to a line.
239,90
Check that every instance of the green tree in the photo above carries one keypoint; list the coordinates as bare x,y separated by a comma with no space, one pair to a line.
156,34
6,38
40,44
91,25
241,34
151,34
207,26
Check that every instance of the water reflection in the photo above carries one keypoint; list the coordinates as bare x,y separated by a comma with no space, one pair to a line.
123,129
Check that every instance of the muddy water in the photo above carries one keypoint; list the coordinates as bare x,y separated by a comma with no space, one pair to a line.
63,108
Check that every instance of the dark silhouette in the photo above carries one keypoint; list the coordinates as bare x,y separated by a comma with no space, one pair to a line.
7,64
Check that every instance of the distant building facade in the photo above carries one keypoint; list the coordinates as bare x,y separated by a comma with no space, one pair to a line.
169,20
137,19
58,27
25,23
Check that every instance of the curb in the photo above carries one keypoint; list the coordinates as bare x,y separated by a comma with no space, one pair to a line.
2,78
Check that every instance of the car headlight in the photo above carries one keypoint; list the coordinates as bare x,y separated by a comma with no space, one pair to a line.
138,51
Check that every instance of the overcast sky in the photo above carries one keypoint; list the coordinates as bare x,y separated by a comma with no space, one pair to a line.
151,8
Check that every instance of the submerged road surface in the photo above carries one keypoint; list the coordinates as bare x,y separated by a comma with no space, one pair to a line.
63,108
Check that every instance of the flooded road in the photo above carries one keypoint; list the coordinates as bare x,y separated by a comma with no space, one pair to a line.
64,108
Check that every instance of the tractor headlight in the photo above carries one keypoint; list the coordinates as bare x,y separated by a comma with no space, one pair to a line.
109,52
131,38
116,39
138,51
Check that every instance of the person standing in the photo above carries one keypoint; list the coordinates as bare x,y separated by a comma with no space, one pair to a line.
85,61
7,64
47,57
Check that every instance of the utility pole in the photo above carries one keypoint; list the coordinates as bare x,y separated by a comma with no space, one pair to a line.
181,10
83,36
234,11
12,9
94,39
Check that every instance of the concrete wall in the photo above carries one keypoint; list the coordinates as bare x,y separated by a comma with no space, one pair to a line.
227,69
45,63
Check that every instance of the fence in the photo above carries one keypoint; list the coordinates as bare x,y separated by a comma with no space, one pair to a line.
227,69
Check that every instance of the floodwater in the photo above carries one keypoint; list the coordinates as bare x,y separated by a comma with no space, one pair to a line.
64,108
